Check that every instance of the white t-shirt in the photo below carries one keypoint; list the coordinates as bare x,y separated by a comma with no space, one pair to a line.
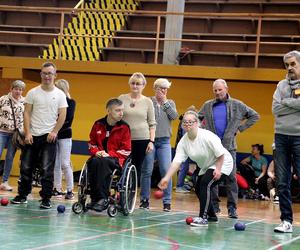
45,105
204,150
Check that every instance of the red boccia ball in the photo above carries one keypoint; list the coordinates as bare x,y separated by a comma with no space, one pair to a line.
189,220
158,194
4,201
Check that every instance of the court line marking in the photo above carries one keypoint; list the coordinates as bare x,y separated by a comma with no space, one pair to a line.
284,243
249,223
170,241
102,235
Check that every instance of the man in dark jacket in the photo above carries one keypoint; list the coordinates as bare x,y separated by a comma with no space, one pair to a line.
227,117
109,145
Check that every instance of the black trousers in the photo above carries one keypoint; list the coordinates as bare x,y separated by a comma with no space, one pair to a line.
40,154
138,153
203,189
249,175
99,176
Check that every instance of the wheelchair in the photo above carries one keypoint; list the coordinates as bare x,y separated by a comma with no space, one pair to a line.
122,190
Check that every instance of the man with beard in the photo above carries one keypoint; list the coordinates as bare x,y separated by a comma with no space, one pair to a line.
286,110
226,117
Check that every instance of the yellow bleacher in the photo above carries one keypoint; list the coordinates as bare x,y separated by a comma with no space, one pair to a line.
76,45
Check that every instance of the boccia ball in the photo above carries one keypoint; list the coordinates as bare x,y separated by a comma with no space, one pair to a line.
4,201
61,208
239,226
158,194
189,220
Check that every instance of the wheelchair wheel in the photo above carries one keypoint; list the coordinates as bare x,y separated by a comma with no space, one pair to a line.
112,210
80,206
129,190
77,208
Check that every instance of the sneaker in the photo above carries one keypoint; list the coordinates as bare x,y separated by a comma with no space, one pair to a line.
284,227
167,207
101,205
4,186
45,204
199,222
144,204
182,190
57,194
276,200
213,219
272,194
19,200
232,213
69,196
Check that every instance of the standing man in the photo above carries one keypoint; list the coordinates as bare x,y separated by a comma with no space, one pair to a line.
44,115
226,117
286,110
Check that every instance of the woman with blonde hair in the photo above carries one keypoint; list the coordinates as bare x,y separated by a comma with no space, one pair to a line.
139,114
64,147
11,118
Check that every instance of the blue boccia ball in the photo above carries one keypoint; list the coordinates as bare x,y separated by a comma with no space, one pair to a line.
239,226
61,208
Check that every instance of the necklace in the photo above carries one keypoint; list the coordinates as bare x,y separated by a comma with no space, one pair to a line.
133,101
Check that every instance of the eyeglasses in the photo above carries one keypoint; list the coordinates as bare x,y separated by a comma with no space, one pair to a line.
43,74
188,122
136,83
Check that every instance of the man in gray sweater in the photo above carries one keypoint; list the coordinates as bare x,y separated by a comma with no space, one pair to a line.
286,110
226,117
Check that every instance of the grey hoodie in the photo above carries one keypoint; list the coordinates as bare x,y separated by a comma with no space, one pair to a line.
286,108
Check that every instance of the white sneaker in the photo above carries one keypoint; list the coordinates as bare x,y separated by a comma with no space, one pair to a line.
272,194
199,222
4,186
276,199
284,227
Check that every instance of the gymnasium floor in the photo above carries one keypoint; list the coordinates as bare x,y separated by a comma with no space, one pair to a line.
28,227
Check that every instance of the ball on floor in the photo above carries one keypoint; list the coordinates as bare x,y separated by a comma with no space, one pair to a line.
4,201
239,226
61,209
189,220
158,194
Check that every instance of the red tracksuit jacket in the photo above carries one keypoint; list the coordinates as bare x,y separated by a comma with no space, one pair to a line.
118,143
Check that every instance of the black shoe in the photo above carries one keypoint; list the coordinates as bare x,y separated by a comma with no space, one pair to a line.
19,200
57,194
232,213
212,219
45,204
100,205
167,207
69,195
90,205
144,204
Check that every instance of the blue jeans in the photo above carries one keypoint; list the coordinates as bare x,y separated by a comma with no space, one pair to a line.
184,168
161,152
287,152
5,141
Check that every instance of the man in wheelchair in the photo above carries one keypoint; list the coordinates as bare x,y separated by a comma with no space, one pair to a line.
109,146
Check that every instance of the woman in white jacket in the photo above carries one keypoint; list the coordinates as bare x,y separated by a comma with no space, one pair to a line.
11,109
